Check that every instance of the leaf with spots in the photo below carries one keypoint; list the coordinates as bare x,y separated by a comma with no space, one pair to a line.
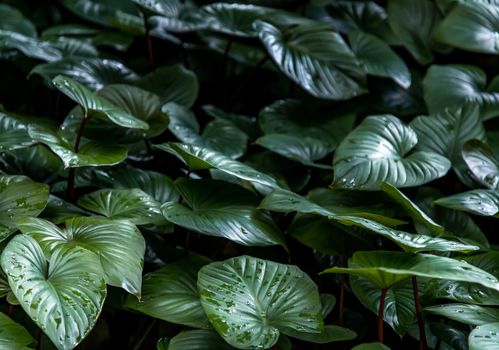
63,293
485,337
249,301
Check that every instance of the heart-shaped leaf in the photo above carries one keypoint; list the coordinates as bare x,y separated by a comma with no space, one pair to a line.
481,161
478,202
249,300
468,314
198,158
315,57
378,58
484,337
471,26
171,294
221,209
385,268
63,294
379,150
13,336
94,73
451,85
119,245
19,197
92,153
92,103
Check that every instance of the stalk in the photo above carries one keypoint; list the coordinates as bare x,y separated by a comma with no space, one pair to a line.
381,311
150,50
341,308
422,333
72,171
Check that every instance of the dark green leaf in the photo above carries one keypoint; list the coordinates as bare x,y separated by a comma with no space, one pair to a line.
13,336
13,20
29,46
481,161
198,339
468,314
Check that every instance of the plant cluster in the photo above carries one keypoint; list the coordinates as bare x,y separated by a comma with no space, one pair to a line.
267,174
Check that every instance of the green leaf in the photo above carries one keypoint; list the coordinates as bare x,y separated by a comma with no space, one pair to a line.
92,103
74,47
471,26
94,73
378,151
484,337
399,311
453,84
331,333
119,245
58,210
19,198
92,153
445,133
481,161
198,158
160,7
198,339
101,12
414,21
171,293
249,300
468,314
328,302
13,20
378,58
173,83
411,208
371,346
220,209
315,57
385,268
63,293
130,204
478,202
13,336
29,46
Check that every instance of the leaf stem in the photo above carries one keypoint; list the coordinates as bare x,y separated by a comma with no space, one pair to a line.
72,171
381,311
341,308
144,335
150,50
422,333
10,310
226,56
245,82
38,339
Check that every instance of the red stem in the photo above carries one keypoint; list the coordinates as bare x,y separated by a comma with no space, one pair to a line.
381,311
422,333
341,307
10,310
150,50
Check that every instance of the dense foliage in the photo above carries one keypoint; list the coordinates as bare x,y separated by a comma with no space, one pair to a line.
273,174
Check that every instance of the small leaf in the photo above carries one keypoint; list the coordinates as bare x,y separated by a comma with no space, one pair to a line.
484,337
481,161
478,202
171,294
13,336
63,295
378,150
249,300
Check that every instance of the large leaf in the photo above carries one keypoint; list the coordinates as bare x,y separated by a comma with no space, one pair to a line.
451,85
130,204
171,294
378,150
478,202
468,314
414,21
198,158
92,103
315,57
385,268
172,84
92,153
94,73
378,58
249,300
197,339
484,337
19,197
445,133
119,245
221,209
13,336
63,293
13,20
331,333
471,26
29,46
482,163
99,11
399,311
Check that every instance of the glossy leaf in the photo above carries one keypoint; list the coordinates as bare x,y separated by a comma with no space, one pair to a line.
221,209
98,11
478,202
314,57
13,20
385,268
13,336
29,46
63,294
249,312
378,58
484,337
171,293
481,161
468,314
119,245
331,333
371,346
198,339
378,150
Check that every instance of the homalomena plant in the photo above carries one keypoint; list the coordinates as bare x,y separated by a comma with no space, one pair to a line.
265,174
